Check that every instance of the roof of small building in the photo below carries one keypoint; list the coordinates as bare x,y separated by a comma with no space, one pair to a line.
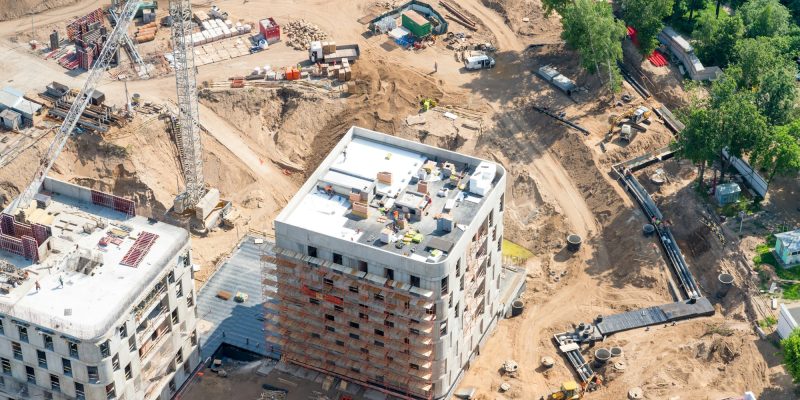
10,114
13,98
728,188
790,240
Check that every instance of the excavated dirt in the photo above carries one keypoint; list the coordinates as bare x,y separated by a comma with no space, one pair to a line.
13,9
559,182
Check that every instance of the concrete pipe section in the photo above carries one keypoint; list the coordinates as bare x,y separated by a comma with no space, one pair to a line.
616,351
601,356
725,284
574,242
635,393
648,229
548,362
517,306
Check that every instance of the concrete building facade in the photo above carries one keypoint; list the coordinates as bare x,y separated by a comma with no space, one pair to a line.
388,264
98,304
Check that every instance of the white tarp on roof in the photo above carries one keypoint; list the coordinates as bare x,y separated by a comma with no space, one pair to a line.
365,158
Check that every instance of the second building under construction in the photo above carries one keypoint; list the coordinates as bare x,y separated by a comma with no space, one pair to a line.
389,264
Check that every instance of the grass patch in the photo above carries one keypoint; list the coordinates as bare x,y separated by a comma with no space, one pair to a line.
791,291
765,256
732,210
767,322
511,249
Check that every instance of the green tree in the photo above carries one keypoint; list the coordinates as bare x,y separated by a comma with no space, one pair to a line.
742,128
699,142
555,5
681,7
647,17
764,17
764,68
791,354
753,57
716,38
776,93
590,28
780,154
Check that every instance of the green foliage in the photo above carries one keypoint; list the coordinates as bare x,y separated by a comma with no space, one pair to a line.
764,67
780,153
590,28
767,322
764,18
716,38
791,292
555,5
687,8
647,17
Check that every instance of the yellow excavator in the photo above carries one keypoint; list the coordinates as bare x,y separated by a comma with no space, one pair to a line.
570,390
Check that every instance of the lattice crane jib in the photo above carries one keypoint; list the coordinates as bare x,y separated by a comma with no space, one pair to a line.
78,106
186,83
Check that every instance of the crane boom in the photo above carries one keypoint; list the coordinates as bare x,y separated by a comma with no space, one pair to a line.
188,134
78,106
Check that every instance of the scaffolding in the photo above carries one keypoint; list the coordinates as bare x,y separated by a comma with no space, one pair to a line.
366,329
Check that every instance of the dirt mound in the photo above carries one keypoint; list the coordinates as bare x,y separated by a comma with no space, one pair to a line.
543,29
14,9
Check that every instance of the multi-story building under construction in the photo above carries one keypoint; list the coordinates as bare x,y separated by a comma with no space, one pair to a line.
388,264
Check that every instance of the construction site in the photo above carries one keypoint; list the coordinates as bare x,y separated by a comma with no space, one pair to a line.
383,200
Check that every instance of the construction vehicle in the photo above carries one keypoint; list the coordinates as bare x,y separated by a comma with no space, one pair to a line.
427,103
330,52
630,120
570,390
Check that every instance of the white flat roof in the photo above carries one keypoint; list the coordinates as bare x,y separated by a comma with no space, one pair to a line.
323,204
87,306
364,159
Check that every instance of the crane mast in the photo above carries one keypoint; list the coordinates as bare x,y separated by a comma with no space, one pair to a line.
78,106
188,132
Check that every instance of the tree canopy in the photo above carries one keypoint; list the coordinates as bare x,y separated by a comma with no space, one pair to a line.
791,354
764,17
555,5
647,17
716,38
590,28
780,154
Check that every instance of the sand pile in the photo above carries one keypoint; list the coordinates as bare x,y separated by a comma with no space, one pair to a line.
19,8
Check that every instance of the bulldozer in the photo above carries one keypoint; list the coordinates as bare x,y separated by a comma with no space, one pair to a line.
570,390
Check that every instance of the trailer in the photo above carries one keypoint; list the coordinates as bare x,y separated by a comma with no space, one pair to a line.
329,52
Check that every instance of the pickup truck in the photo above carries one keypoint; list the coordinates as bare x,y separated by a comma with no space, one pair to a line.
317,53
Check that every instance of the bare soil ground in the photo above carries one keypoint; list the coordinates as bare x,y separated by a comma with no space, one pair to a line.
261,144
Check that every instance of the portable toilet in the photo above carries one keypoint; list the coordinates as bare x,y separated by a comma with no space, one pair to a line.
727,193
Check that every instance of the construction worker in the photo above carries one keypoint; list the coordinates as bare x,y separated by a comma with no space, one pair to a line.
38,286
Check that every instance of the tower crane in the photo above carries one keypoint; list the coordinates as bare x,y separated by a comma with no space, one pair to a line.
188,135
188,132
78,106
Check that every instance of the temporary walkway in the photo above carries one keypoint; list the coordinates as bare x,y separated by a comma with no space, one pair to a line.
656,315
239,324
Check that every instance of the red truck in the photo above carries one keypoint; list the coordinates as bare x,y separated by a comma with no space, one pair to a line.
270,30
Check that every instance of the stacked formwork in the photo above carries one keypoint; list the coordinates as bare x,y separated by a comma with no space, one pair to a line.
355,325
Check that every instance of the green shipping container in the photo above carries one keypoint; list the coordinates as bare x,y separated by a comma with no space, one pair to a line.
417,24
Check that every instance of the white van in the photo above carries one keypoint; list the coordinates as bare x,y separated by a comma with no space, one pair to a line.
478,62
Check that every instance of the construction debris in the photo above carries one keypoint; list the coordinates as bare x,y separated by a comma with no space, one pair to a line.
299,34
